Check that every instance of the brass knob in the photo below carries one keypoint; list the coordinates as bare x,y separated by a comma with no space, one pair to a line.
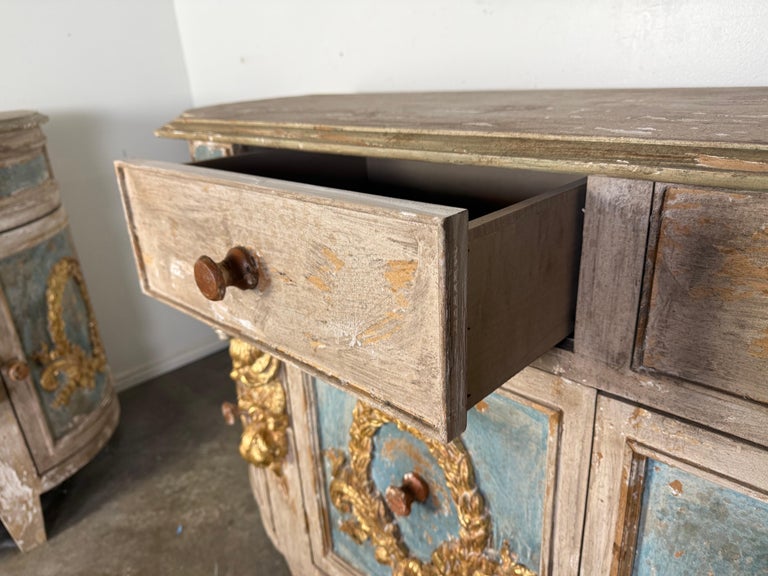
239,269
18,370
400,498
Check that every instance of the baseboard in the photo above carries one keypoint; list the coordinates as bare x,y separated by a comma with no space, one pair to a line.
139,374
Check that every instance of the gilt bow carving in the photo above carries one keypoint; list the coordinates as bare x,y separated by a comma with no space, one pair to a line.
66,366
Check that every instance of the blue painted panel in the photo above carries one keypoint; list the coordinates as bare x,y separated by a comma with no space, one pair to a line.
690,525
24,277
334,419
27,174
508,445
207,152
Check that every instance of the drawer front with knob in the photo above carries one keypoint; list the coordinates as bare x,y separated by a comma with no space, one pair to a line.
409,305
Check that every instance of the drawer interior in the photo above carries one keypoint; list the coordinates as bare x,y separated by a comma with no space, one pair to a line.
524,243
481,190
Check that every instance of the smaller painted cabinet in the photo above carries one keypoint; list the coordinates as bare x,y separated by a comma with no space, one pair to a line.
57,404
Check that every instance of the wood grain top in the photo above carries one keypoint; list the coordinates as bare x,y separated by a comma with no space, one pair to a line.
713,136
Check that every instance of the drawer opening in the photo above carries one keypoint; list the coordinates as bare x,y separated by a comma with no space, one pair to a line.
481,190
422,299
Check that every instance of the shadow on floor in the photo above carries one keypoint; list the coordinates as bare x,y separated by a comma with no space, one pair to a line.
168,495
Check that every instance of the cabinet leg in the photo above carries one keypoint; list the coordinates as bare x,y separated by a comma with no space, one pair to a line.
20,510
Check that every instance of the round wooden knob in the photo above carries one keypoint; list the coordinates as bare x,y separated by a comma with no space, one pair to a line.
400,498
239,269
230,412
18,370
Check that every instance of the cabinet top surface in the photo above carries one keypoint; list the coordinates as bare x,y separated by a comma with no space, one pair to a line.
19,119
713,136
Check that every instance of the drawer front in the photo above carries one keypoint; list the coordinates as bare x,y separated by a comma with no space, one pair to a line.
50,334
667,497
496,488
367,291
707,290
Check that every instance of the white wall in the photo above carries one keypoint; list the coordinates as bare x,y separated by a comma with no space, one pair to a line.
107,73
243,49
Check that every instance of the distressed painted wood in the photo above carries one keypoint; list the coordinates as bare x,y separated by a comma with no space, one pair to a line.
55,434
543,423
616,220
27,188
20,510
707,295
52,420
712,438
703,405
710,516
365,290
287,521
640,134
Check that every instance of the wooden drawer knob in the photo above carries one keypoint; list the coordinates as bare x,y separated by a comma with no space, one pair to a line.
400,498
18,370
239,269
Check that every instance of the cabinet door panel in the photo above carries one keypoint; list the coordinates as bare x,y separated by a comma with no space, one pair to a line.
514,482
667,497
53,331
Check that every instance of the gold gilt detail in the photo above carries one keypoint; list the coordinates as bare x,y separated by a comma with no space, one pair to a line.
353,493
261,405
67,362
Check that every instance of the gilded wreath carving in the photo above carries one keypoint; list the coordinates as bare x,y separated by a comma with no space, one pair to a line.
66,366
353,492
261,405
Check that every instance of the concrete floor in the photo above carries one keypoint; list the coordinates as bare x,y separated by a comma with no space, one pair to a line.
168,495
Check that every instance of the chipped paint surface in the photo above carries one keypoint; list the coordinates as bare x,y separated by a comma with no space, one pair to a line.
18,501
708,161
335,262
319,283
708,313
690,525
400,273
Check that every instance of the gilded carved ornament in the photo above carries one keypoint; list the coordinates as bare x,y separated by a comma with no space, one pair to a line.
66,366
353,493
261,405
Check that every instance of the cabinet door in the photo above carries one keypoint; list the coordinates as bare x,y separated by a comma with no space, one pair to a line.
53,361
507,497
667,497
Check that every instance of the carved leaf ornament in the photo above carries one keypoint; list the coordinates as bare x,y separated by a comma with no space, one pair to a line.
353,493
66,366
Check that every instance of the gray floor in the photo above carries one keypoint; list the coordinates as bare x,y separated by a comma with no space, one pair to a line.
168,495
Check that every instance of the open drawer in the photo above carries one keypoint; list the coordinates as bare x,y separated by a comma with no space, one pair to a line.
420,308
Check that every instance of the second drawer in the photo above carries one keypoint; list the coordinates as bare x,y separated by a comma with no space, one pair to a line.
421,308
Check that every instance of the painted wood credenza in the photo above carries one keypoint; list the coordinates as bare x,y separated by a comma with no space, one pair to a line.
57,404
484,333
